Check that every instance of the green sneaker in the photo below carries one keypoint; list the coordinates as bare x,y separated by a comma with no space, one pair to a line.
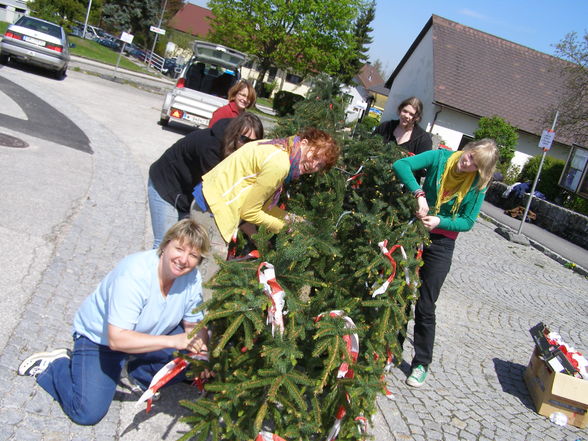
417,376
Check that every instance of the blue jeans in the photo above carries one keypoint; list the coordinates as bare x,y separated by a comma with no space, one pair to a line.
85,385
163,214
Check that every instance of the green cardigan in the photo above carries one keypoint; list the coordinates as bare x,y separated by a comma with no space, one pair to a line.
434,161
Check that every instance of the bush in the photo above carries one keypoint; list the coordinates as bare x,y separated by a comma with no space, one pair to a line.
577,204
504,134
284,102
550,173
369,123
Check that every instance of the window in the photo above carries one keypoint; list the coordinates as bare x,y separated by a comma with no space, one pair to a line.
271,74
464,140
294,79
574,175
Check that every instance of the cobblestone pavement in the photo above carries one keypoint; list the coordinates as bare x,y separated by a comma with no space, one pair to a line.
494,293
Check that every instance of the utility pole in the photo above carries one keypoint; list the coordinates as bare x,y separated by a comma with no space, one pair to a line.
156,35
545,148
87,15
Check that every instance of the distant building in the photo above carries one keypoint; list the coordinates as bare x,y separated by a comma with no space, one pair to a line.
366,95
12,10
462,74
191,19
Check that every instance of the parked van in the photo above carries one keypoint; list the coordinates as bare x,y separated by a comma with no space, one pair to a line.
203,85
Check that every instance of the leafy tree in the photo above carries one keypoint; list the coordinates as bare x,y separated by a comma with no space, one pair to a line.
304,36
171,8
357,53
573,106
504,134
57,11
135,16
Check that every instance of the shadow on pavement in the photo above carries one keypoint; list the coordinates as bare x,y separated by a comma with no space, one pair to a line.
510,376
168,405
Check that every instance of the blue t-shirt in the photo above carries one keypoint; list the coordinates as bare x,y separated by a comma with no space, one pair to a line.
129,297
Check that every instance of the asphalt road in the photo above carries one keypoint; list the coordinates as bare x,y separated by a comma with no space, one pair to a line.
71,208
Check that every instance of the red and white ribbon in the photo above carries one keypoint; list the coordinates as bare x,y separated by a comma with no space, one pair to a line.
344,371
362,424
274,291
165,374
268,436
337,424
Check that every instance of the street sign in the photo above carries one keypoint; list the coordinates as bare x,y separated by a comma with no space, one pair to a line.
126,37
546,139
157,30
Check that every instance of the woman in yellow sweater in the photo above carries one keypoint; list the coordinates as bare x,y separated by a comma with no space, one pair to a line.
247,184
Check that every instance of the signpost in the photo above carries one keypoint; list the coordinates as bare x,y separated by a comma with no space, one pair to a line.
157,29
544,143
125,38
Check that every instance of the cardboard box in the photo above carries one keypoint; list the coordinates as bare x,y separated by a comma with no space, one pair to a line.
553,391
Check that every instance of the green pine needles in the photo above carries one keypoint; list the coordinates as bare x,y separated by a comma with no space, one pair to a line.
287,384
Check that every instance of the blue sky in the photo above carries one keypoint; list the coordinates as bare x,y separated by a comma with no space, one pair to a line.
538,24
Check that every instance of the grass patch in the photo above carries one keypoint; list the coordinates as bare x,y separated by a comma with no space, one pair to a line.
3,26
265,102
94,51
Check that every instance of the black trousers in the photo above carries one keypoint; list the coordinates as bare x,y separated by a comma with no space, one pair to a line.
437,262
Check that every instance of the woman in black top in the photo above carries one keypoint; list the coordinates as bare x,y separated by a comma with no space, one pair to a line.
174,175
405,131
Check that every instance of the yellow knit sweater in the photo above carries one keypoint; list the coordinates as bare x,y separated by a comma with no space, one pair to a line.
241,187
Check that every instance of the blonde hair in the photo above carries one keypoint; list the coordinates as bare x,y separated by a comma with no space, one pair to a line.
188,232
485,155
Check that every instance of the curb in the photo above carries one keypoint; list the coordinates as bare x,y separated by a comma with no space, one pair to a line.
549,253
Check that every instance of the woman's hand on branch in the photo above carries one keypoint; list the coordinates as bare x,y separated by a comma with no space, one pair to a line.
430,222
423,207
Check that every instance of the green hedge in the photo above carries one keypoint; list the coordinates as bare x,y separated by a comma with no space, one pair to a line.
550,173
284,102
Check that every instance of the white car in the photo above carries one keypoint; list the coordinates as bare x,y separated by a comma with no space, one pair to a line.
37,42
202,85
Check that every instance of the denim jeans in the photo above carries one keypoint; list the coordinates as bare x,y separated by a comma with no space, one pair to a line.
85,385
219,248
163,214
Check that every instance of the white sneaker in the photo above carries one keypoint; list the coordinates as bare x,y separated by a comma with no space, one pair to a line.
37,363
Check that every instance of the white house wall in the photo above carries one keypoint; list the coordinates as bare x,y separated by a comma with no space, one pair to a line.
12,10
528,147
357,106
415,79
450,126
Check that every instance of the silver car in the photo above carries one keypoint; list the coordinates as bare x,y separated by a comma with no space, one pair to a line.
37,42
203,85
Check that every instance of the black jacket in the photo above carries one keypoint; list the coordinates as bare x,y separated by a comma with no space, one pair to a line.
181,167
419,142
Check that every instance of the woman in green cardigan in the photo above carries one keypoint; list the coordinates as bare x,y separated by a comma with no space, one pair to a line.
448,202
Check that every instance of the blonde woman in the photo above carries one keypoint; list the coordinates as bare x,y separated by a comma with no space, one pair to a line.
448,203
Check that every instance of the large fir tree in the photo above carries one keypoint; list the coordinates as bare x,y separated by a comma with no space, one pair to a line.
287,384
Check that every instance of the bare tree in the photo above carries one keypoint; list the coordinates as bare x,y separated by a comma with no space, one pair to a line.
573,105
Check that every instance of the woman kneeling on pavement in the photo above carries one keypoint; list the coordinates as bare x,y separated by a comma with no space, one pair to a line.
246,186
139,314
449,202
